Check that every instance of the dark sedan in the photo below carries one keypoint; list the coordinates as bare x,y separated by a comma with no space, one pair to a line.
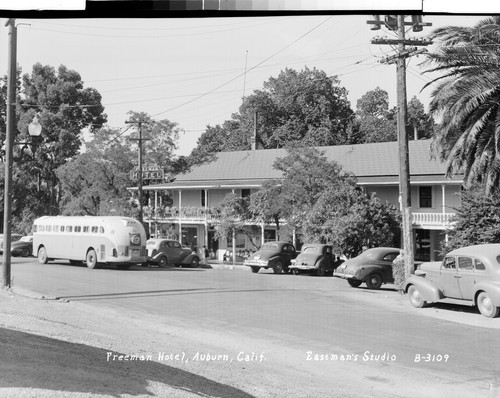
168,251
22,247
315,258
275,255
373,266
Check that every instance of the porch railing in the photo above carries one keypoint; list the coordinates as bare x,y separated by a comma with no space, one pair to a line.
432,219
199,214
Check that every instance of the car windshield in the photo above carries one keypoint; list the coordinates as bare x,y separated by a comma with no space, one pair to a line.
269,246
26,239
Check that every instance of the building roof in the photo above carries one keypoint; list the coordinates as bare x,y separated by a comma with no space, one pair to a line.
376,163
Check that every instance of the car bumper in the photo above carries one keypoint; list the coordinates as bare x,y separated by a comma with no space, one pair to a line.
342,274
251,263
303,267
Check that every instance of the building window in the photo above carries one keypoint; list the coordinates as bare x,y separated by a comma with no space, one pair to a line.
425,197
203,201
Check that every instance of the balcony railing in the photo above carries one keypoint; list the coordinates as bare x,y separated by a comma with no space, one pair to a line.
432,219
200,214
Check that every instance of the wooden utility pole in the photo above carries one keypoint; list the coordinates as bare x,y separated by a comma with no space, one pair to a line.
139,140
9,143
397,23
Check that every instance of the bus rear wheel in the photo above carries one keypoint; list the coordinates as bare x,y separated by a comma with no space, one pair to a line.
91,259
42,255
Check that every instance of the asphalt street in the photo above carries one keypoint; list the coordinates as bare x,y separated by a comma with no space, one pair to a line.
322,317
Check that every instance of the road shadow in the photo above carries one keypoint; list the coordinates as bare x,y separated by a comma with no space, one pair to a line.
159,293
36,362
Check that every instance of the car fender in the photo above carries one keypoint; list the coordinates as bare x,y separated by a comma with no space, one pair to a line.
189,258
157,256
364,271
492,288
428,290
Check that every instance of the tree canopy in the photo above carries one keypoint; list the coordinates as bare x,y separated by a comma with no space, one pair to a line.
64,108
307,106
476,221
466,100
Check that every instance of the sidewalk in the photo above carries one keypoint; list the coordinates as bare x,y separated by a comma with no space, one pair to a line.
218,264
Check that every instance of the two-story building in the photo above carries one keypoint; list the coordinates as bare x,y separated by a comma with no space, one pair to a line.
376,166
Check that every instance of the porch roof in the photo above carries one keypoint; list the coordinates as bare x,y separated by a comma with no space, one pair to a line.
376,163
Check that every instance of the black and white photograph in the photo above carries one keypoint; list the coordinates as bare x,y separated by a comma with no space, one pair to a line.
249,199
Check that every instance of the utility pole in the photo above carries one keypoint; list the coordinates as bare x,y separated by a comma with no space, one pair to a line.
9,144
397,23
139,140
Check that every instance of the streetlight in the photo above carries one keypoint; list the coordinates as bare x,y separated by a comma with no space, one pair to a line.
34,130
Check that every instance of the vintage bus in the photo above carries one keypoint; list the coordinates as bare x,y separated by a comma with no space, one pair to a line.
90,239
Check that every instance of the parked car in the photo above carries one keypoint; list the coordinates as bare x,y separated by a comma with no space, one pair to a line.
373,266
168,251
275,255
13,238
23,247
316,258
469,275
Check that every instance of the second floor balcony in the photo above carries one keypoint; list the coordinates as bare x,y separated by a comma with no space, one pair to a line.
211,216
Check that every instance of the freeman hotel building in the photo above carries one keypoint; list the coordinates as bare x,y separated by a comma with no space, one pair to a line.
195,194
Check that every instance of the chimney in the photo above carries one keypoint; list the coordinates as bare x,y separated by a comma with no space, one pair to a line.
254,137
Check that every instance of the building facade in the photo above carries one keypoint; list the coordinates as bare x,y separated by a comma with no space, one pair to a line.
192,220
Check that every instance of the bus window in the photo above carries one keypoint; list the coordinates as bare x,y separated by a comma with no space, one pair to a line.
86,229
56,228
78,229
69,228
62,228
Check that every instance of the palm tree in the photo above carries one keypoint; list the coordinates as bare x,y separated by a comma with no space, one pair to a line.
466,100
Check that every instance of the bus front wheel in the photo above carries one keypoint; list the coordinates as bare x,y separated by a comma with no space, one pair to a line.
42,255
91,259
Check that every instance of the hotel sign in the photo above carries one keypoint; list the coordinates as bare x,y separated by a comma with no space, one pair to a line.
149,172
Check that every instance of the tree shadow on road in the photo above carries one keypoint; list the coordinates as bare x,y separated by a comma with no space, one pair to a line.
36,362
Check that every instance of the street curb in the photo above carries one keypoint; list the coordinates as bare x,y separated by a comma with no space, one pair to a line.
30,294
229,266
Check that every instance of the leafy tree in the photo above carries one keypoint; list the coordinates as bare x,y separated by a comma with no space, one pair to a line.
477,220
466,98
348,218
213,140
234,214
64,108
160,140
307,106
266,204
420,122
375,122
306,175
95,182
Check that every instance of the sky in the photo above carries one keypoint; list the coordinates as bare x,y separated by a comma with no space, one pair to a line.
195,71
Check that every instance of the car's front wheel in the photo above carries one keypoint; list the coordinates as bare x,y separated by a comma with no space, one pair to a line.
278,267
354,282
374,281
486,306
415,297
25,252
